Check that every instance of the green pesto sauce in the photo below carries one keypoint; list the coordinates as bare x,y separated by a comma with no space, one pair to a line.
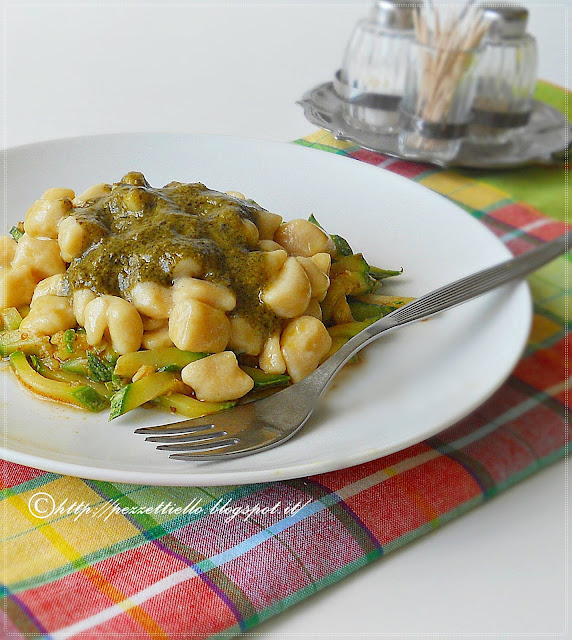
140,234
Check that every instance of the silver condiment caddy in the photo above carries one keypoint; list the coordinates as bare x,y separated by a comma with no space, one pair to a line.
415,98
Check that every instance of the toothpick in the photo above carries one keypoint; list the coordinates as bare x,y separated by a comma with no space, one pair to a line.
453,35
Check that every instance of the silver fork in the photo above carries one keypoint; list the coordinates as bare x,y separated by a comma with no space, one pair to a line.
266,423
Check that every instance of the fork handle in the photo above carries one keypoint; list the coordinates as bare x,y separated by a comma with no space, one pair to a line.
446,297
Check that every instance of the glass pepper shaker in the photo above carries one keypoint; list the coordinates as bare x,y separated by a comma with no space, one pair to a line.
506,76
372,77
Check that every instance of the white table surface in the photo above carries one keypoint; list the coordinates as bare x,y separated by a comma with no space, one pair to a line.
238,69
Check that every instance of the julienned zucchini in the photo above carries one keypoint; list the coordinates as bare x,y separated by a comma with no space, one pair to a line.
99,369
393,302
128,364
11,341
343,249
63,375
364,310
68,340
341,333
349,329
11,318
342,246
76,365
381,274
372,305
349,277
354,263
16,233
142,391
82,396
364,314
189,407
264,380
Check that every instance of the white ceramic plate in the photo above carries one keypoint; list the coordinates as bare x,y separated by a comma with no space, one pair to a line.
411,383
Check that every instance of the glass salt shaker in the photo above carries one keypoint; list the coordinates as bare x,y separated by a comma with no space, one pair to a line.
506,76
372,77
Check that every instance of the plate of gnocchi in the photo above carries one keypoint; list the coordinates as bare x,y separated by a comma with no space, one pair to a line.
174,276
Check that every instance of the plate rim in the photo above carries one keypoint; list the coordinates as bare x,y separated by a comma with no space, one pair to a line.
233,477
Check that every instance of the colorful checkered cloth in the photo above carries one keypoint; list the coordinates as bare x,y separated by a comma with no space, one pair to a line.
194,575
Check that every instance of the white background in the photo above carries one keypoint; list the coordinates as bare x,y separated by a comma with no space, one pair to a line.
72,69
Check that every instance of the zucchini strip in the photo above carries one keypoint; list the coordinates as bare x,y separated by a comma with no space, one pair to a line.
76,365
11,341
16,233
128,364
68,376
189,407
100,370
342,246
142,391
390,301
381,274
264,380
364,310
349,329
341,333
69,339
82,396
11,318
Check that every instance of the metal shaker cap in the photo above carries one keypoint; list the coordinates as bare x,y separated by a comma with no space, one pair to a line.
395,14
507,20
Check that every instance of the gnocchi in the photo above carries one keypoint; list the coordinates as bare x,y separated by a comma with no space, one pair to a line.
17,285
181,289
244,337
302,238
304,343
54,286
217,378
7,250
42,255
118,319
48,315
70,237
271,359
290,292
94,192
196,326
44,216
157,338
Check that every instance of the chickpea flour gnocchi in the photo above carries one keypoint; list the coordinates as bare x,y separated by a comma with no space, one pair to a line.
180,296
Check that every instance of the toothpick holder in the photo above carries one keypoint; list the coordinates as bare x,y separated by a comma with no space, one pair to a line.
436,104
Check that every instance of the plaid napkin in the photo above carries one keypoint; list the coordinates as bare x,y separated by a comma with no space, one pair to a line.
119,560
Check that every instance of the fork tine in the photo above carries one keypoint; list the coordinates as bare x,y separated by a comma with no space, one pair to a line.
239,448
215,444
172,440
187,426
188,436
